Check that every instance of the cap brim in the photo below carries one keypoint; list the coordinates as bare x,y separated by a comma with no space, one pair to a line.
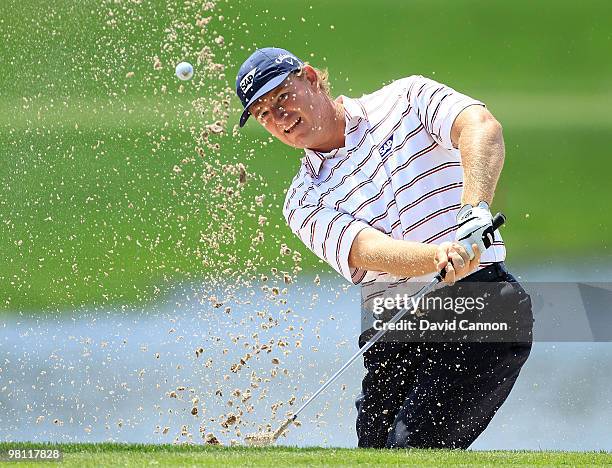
269,86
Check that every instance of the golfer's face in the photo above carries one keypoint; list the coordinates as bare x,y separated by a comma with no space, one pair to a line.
288,112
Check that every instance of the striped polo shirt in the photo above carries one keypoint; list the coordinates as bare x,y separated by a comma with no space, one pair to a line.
398,172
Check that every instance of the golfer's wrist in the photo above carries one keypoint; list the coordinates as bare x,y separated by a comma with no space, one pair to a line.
479,209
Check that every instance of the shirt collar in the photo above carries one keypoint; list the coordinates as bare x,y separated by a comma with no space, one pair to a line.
353,110
353,113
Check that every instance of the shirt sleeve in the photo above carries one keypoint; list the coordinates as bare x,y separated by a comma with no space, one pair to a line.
325,231
437,106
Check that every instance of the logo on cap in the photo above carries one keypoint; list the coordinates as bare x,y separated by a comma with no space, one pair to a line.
287,58
247,82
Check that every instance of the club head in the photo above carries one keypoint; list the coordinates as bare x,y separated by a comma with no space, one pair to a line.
262,439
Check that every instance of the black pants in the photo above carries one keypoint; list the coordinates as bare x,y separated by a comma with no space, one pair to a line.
439,395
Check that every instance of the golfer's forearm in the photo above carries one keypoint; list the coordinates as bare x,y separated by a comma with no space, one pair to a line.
372,250
481,145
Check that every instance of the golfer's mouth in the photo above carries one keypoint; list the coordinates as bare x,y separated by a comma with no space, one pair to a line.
293,125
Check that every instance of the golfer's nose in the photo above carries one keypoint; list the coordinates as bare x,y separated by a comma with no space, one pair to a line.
279,113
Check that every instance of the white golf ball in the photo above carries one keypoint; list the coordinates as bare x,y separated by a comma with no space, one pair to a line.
184,71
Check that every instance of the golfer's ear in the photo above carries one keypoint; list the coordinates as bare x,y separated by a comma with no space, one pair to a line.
311,75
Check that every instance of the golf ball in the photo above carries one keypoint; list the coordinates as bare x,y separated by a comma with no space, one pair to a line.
184,71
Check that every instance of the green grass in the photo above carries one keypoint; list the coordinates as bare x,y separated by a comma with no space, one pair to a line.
92,214
89,223
172,455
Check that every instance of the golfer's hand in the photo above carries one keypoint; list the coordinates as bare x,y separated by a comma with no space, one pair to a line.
455,259
473,223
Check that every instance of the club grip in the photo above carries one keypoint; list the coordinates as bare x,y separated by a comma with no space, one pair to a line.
498,220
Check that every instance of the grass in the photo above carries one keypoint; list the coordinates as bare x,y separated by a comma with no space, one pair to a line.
107,454
92,214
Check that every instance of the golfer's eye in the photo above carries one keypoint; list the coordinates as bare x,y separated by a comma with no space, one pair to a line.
283,97
263,115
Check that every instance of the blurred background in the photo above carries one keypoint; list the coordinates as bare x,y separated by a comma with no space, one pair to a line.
130,205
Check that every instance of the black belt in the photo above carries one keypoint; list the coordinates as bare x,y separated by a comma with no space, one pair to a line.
495,270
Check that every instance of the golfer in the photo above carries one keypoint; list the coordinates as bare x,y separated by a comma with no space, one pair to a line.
393,187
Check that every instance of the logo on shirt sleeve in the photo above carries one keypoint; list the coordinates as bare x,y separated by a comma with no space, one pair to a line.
386,147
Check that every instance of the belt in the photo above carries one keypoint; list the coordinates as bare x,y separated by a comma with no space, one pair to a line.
495,270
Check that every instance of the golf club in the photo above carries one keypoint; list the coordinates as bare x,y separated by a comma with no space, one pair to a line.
268,438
